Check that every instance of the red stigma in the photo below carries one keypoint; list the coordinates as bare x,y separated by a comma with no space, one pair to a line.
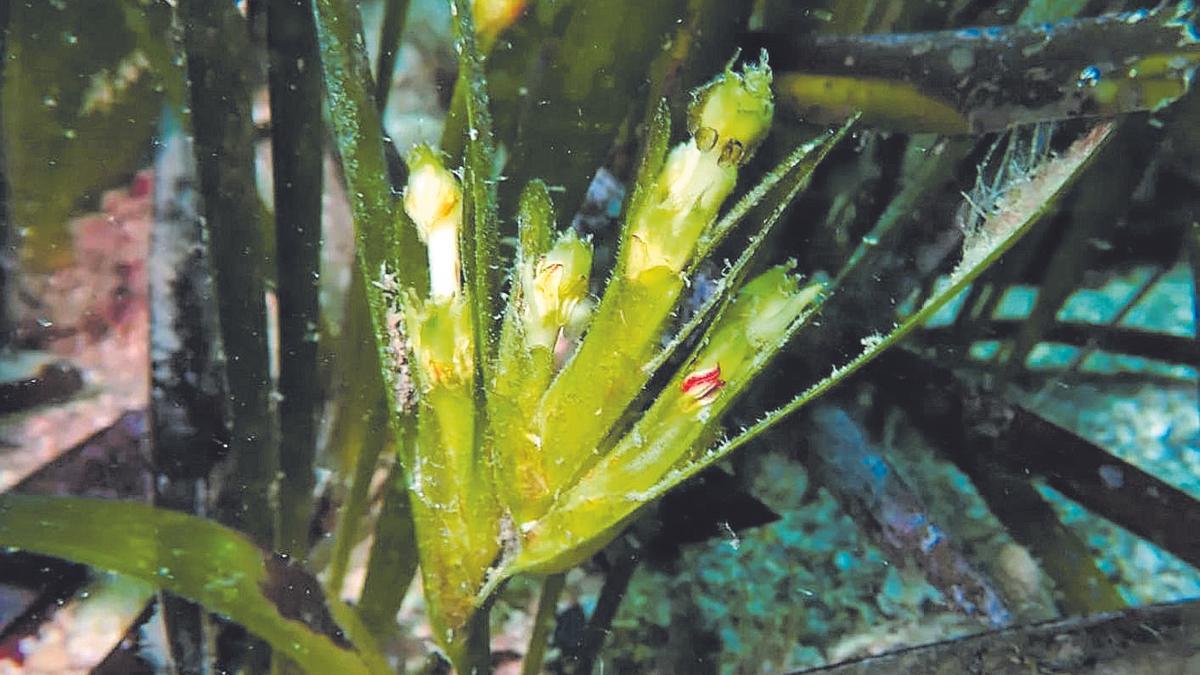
704,385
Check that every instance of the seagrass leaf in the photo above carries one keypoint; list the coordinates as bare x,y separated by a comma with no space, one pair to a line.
480,233
976,80
198,559
1003,228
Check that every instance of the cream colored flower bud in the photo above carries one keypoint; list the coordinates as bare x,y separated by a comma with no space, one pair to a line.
440,339
770,302
687,195
555,289
728,118
433,200
693,180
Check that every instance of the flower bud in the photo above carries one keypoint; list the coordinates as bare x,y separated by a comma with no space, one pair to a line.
756,322
728,118
686,197
691,179
440,339
555,288
731,114
769,303
433,200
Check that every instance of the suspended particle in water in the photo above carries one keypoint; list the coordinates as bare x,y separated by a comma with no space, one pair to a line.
1088,77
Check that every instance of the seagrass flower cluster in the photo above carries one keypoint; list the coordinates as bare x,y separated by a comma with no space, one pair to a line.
564,447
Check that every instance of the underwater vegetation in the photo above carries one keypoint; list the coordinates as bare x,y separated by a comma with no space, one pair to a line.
660,254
